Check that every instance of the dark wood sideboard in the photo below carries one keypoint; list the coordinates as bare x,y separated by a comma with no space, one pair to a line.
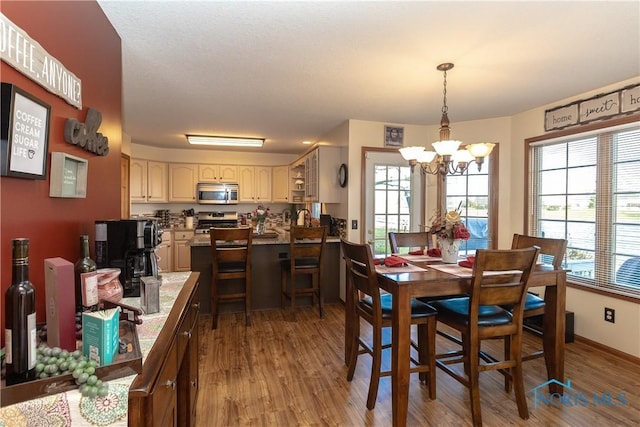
165,392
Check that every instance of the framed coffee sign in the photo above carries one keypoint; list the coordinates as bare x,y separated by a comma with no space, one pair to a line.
24,134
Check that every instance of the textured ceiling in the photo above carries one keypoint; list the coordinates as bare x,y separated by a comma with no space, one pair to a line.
292,71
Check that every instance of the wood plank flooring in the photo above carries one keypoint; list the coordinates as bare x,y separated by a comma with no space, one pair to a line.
280,372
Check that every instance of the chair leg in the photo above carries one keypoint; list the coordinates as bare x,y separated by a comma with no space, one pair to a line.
474,386
355,347
376,364
247,301
431,355
318,285
518,381
283,286
507,356
292,292
214,305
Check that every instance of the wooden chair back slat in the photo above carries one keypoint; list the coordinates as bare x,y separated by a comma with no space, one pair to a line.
412,240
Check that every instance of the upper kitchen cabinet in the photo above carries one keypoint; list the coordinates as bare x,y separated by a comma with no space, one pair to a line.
182,182
321,175
148,181
217,173
280,191
255,184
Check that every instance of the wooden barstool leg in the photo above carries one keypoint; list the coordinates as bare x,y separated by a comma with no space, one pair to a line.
247,300
283,287
214,305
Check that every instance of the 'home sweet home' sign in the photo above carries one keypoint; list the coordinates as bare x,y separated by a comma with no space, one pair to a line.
622,101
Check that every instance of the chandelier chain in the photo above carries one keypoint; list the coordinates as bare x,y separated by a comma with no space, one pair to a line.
445,109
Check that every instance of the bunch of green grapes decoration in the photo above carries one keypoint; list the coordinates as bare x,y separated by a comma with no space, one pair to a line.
56,361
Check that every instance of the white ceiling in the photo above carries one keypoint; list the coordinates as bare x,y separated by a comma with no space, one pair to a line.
292,71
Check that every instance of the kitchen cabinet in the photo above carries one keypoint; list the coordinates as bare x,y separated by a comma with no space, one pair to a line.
321,175
148,181
165,392
217,173
181,251
280,192
182,182
164,252
296,182
255,184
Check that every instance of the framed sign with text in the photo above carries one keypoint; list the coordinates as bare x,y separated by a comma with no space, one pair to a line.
24,134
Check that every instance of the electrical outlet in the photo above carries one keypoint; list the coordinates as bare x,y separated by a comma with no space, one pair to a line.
609,315
354,224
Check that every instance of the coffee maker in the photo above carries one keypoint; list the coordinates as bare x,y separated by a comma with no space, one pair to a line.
129,244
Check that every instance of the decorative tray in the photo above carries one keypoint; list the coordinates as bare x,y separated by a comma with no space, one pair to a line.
129,363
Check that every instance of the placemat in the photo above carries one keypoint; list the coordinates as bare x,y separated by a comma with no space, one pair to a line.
419,258
409,268
459,271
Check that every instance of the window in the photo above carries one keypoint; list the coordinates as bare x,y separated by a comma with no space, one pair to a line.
471,191
586,188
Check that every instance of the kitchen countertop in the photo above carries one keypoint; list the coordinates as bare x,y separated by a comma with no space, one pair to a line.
282,238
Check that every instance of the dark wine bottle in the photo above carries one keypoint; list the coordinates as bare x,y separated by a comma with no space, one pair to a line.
20,318
84,265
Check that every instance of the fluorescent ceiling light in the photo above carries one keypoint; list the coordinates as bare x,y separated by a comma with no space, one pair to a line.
228,141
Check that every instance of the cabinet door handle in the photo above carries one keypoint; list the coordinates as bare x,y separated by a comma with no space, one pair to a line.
187,334
171,384
194,384
195,306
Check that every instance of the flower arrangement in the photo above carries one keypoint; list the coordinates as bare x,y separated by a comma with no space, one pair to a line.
449,227
261,213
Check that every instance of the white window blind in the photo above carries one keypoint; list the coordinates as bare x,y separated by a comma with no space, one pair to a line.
586,189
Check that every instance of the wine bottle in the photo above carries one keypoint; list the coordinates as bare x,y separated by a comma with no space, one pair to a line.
84,265
20,318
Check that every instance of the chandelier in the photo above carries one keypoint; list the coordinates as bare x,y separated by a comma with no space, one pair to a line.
449,160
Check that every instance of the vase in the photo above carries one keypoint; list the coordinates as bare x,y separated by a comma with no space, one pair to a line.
260,227
449,250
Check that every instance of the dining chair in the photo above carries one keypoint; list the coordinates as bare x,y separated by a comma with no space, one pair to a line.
499,277
306,248
552,252
376,309
231,260
409,240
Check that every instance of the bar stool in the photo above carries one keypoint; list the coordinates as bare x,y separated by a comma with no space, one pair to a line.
306,247
231,260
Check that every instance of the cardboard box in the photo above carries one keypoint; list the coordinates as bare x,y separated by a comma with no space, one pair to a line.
60,303
100,335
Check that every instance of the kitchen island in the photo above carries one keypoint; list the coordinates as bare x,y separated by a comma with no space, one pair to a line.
266,254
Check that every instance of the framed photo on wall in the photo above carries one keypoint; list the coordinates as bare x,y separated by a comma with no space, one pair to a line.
24,134
393,136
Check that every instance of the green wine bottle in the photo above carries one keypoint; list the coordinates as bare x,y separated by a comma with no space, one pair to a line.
20,318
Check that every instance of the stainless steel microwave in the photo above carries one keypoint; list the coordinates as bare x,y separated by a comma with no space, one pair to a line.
211,193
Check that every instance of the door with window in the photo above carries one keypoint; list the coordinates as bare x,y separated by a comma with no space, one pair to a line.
392,199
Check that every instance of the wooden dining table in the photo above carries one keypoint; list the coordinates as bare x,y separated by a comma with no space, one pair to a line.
431,282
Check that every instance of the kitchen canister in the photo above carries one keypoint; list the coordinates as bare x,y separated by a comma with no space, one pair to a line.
150,294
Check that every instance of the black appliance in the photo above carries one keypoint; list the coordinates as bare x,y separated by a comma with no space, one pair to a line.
206,220
129,244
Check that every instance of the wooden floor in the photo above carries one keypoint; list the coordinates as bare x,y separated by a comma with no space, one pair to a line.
278,372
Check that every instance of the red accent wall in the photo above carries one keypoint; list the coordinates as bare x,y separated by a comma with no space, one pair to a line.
80,36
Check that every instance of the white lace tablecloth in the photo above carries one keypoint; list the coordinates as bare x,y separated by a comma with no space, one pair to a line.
70,408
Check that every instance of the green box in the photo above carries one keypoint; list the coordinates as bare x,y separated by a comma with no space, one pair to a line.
100,335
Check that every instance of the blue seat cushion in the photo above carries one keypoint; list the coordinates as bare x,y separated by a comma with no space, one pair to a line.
418,309
488,315
531,302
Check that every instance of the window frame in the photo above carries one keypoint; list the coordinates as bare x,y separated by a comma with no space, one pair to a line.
494,178
599,127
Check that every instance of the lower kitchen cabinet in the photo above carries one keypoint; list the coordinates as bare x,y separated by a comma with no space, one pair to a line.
181,251
165,392
164,252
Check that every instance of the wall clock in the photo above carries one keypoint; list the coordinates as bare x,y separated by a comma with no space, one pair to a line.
342,175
